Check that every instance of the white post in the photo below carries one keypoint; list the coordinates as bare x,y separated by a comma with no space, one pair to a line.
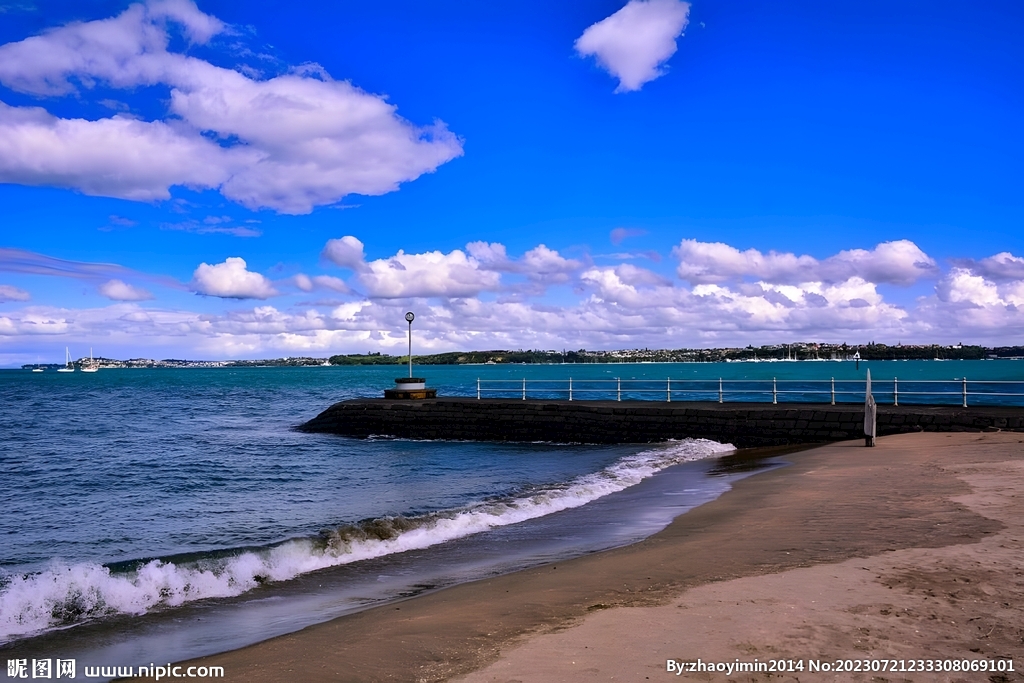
721,396
895,391
668,391
833,391
965,392
570,388
870,414
618,388
478,388
775,393
524,388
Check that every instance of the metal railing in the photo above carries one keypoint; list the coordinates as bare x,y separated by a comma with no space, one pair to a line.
919,392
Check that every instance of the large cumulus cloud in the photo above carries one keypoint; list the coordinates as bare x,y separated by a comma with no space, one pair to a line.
288,143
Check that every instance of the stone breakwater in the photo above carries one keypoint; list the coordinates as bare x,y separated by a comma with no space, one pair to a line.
744,425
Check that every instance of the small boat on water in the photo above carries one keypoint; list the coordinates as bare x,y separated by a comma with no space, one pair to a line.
91,367
37,369
68,365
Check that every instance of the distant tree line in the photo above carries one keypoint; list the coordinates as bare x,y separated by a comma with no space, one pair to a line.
800,351
958,352
454,358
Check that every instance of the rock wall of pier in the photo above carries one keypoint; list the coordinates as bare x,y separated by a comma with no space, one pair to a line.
605,422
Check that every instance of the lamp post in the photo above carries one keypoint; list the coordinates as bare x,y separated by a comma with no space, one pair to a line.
410,388
409,317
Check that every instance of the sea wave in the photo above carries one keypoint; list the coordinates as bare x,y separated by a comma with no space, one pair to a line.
65,595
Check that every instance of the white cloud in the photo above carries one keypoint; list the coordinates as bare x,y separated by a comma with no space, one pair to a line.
612,288
637,276
198,27
118,290
427,275
308,284
33,263
436,274
12,293
289,143
547,265
321,139
492,255
642,302
540,263
900,262
633,43
115,157
127,50
978,297
1013,294
616,316
346,252
212,225
706,262
616,306
333,283
629,285
35,321
1003,266
349,311
966,305
962,286
231,280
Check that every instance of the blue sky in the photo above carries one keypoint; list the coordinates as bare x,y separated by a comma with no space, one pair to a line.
262,179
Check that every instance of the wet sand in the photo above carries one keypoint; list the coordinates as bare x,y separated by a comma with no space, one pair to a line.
914,548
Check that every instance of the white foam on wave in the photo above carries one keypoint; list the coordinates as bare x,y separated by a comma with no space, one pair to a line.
63,594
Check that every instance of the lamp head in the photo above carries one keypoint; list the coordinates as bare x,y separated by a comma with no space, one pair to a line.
409,317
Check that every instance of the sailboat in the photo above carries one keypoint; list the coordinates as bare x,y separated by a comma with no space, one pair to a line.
68,366
91,367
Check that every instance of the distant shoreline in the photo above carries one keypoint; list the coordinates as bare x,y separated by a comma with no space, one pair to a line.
770,353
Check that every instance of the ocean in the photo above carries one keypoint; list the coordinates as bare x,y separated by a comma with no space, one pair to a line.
161,514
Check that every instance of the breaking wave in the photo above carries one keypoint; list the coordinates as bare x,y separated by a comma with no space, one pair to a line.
64,595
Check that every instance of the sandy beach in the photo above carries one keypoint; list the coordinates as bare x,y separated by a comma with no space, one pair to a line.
913,549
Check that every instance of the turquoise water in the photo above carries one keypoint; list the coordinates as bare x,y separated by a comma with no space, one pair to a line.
133,498
138,503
